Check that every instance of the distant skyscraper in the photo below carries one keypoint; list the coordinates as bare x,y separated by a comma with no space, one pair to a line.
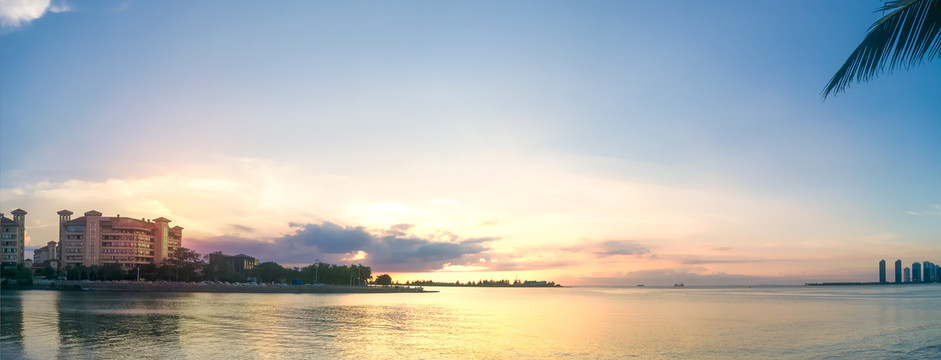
898,271
926,271
916,272
907,277
882,271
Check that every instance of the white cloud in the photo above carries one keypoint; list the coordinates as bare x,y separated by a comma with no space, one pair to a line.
16,13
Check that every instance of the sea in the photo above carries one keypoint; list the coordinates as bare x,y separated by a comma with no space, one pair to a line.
799,322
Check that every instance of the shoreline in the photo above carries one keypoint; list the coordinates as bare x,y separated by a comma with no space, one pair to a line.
116,286
876,283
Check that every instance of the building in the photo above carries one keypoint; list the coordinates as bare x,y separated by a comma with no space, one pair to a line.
898,271
13,238
882,271
916,272
46,255
94,239
907,277
240,262
929,272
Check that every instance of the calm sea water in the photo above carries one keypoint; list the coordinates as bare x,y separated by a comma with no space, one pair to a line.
858,322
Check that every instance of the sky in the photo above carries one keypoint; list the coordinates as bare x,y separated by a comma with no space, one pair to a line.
587,143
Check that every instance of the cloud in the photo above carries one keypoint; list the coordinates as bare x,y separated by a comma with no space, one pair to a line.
696,277
384,249
608,248
698,261
242,228
16,13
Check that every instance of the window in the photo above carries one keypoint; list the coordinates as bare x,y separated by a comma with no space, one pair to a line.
75,228
9,236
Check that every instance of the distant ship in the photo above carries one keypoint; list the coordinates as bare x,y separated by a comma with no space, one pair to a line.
640,284
678,285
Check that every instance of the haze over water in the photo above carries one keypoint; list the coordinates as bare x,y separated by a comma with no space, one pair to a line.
861,322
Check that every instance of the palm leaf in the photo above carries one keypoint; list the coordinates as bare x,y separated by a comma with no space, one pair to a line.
909,34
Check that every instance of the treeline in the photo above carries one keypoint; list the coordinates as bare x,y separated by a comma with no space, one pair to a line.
193,267
486,283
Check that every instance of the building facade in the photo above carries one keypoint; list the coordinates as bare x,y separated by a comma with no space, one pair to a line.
13,238
916,272
46,255
240,262
94,239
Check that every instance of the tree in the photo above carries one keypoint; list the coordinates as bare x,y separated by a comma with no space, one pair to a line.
187,264
111,271
384,279
907,35
269,271
48,272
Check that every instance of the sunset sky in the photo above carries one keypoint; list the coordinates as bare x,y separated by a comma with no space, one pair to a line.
585,142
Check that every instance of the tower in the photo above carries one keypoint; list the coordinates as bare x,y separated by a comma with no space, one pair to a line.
882,271
64,217
898,271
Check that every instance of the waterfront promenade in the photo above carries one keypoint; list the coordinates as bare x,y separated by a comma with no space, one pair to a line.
221,287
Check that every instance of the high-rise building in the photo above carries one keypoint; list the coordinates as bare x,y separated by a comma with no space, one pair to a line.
929,272
898,271
882,271
13,238
94,239
916,272
907,277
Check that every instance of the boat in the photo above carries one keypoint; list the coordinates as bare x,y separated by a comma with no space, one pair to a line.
678,285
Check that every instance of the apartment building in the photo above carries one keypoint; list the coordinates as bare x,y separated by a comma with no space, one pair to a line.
12,238
94,239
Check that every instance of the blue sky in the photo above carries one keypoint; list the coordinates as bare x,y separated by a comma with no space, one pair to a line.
566,123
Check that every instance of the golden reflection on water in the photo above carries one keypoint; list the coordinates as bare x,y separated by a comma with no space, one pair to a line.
476,323
40,324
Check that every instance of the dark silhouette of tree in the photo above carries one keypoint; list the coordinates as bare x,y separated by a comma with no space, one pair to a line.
384,279
189,262
269,272
908,34
48,272
111,271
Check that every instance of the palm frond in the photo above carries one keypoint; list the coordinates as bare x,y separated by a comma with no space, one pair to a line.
909,34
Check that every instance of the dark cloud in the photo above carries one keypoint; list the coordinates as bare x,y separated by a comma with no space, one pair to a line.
329,238
394,250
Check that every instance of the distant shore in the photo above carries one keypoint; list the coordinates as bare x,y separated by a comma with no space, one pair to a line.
130,286
865,283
